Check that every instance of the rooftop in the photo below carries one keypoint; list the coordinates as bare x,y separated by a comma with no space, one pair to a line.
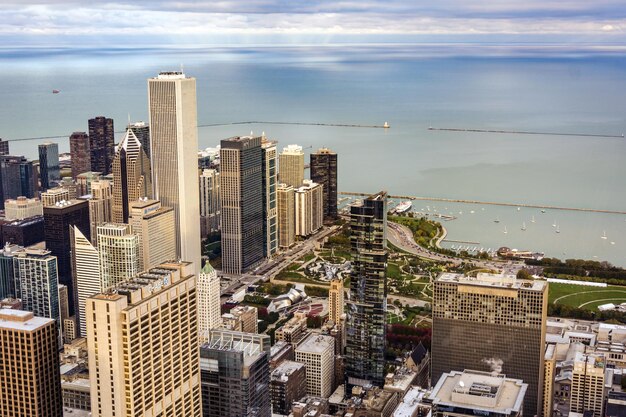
21,320
493,281
410,403
170,75
285,369
317,344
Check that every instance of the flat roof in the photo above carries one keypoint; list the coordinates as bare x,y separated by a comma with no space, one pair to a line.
21,320
493,281
315,343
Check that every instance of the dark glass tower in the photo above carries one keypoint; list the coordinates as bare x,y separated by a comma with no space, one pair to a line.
19,178
49,171
80,153
367,304
324,171
101,144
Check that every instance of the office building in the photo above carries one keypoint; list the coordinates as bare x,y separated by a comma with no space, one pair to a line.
291,166
209,307
22,208
241,192
154,226
142,133
80,152
588,384
270,209
70,185
471,393
100,206
242,319
29,366
57,221
174,149
119,253
549,371
54,195
235,375
143,340
7,275
493,323
101,144
131,176
293,331
367,306
210,207
86,273
19,178
317,353
84,181
324,172
336,300
64,302
287,384
49,171
309,208
4,147
25,232
286,216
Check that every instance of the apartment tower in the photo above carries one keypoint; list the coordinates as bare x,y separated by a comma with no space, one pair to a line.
209,307
286,216
270,209
174,153
324,172
80,152
100,206
210,206
49,172
291,166
309,211
101,144
154,226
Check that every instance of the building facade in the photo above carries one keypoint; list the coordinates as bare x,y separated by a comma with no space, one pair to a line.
287,384
154,226
286,216
308,208
317,353
209,314
241,192
336,300
100,206
367,306
101,144
118,249
80,152
324,172
174,149
49,171
19,178
588,384
142,133
291,166
86,272
22,208
270,208
84,181
210,206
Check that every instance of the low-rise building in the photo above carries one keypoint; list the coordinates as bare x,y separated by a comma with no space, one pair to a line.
294,330
287,384
317,352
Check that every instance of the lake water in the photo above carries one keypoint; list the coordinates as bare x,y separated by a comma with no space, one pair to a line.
412,87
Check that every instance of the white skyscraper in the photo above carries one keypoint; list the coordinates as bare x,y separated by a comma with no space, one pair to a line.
86,264
174,150
209,313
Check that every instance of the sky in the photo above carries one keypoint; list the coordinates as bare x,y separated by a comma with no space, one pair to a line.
276,21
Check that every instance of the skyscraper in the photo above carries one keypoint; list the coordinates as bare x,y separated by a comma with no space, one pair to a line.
86,272
49,171
57,221
29,366
100,206
209,314
367,306
19,178
143,341
309,211
80,152
101,144
4,147
241,192
174,156
291,166
131,176
7,276
324,172
270,209
317,353
286,216
335,300
235,375
210,206
142,132
118,248
154,226
491,323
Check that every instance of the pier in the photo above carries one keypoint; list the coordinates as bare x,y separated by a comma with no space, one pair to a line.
490,203
469,242
524,132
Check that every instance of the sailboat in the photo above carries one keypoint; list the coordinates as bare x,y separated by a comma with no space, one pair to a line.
554,224
532,220
603,235
523,226
505,231
557,229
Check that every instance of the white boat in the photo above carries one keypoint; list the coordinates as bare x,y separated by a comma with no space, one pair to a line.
519,208
532,220
557,229
612,243
523,226
543,210
472,212
603,235
404,206
505,231
554,224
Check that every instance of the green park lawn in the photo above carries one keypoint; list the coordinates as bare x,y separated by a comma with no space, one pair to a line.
585,296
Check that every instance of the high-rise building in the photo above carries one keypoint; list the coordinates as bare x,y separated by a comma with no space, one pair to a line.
154,226
291,166
7,275
49,171
287,384
286,216
210,206
29,366
80,152
131,176
25,232
174,156
84,181
335,300
317,353
241,192
309,208
493,323
64,302
22,208
36,283
100,206
19,178
270,208
235,375
86,272
588,382
71,186
142,132
4,147
367,306
242,319
209,316
57,221
324,172
54,195
101,144
143,340
118,248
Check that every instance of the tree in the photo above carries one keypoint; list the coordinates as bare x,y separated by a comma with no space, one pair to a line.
524,274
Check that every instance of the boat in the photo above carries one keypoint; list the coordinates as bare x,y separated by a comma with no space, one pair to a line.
554,224
604,235
56,91
519,208
472,212
612,243
386,125
532,220
543,210
497,220
523,226
557,229
403,207
505,231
